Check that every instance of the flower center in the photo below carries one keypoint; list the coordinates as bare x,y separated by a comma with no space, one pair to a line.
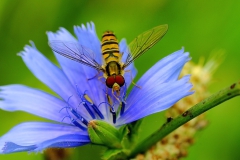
77,119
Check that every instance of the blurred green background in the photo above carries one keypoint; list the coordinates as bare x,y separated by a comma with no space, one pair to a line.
200,26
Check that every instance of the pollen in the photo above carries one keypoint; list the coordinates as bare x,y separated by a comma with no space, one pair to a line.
92,124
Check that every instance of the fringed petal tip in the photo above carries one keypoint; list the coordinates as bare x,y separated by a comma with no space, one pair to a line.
185,53
28,49
65,35
186,81
87,36
61,34
10,147
90,27
37,136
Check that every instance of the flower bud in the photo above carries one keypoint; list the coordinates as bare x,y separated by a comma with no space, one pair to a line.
103,133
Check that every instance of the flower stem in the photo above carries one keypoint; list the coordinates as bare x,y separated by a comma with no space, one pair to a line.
168,127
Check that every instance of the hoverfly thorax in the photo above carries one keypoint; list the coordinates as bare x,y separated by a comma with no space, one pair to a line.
112,68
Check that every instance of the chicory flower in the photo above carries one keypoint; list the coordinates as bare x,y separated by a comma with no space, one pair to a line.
82,98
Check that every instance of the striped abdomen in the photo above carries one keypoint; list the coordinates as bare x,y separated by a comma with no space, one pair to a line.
110,48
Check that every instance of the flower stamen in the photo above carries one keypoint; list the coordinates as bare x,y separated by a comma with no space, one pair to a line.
88,101
123,103
111,107
88,109
75,122
77,115
95,108
112,110
122,108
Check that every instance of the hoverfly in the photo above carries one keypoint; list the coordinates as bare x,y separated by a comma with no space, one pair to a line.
112,67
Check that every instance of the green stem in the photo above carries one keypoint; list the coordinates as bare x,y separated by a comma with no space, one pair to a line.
212,101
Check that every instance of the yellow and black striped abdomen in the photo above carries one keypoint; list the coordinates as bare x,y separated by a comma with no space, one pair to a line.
110,48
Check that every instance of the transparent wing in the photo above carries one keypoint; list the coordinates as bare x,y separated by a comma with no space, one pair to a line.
144,42
76,52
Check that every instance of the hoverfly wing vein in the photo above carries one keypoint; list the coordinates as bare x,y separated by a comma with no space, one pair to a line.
76,52
144,42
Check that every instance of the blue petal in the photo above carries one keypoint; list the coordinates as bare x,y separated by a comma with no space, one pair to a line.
130,71
167,69
35,136
65,141
87,37
77,73
164,71
155,98
19,97
10,147
48,73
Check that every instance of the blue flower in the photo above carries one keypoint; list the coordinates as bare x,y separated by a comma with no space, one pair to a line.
81,97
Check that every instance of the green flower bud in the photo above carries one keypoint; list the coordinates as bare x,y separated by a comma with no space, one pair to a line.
103,133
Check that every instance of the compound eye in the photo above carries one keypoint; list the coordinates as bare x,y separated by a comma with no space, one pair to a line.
120,80
110,81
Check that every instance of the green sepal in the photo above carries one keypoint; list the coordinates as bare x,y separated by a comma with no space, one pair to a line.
128,140
103,133
124,131
134,130
114,154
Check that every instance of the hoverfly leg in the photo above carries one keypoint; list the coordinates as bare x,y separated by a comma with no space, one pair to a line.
136,85
132,79
98,77
94,76
115,96
101,77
